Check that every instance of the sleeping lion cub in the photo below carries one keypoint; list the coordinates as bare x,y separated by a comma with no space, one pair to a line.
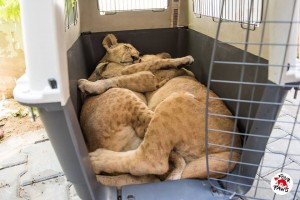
148,112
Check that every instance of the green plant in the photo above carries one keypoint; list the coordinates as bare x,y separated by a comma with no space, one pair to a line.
20,113
69,11
10,10
73,3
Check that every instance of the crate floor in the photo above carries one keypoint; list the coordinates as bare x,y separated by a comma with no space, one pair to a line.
29,168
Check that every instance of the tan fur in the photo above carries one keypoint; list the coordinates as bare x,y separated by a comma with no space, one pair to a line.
127,133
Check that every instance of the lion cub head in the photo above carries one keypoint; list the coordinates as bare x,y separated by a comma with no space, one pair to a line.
121,53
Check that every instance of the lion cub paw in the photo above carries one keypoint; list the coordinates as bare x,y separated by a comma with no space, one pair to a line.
191,59
108,161
188,60
185,61
82,84
96,160
95,88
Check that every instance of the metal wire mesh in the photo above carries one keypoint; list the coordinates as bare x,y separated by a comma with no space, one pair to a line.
233,10
114,6
270,142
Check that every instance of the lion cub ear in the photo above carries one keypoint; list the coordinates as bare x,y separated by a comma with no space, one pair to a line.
109,41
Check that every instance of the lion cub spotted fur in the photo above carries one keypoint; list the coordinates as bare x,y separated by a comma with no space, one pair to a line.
148,111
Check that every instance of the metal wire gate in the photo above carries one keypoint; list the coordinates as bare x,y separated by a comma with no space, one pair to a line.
234,10
256,95
107,7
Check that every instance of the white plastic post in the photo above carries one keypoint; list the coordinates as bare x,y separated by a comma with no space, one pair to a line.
46,77
283,30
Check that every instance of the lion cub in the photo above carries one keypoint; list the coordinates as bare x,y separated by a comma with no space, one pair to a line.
135,133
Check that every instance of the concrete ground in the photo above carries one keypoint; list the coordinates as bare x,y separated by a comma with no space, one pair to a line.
29,168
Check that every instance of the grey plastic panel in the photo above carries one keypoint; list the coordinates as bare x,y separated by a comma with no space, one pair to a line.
200,47
263,128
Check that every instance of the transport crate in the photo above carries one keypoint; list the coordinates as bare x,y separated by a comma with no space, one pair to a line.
238,73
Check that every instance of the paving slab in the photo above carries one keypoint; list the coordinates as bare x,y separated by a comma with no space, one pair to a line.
9,182
42,163
296,132
289,108
29,169
272,162
285,123
72,193
280,146
292,169
14,144
260,189
47,190
276,134
13,160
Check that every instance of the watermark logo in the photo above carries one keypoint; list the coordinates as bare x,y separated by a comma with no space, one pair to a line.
281,183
